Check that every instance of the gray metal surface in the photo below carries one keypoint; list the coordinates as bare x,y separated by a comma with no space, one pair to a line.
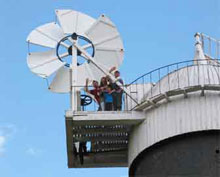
190,155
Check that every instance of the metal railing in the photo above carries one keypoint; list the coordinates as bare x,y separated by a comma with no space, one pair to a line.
210,45
175,76
167,78
94,105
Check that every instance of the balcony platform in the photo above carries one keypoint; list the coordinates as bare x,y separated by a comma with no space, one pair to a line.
106,132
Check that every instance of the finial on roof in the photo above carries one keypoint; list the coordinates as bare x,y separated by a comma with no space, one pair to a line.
199,57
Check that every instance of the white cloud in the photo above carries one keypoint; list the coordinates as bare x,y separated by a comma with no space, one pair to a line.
5,133
2,144
33,151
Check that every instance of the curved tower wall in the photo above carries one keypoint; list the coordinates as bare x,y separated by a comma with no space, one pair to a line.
188,155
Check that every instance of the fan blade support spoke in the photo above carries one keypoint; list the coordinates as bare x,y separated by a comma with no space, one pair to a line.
65,45
87,46
64,55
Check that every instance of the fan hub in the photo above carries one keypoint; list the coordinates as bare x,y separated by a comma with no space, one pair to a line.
70,51
81,40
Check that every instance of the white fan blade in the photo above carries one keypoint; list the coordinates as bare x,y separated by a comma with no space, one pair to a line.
47,35
104,31
96,74
109,42
109,50
44,63
74,22
109,57
61,82
88,70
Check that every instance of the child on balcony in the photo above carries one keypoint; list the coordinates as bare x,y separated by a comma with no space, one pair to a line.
108,99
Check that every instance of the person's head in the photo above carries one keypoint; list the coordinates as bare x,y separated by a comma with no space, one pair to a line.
103,81
95,83
107,79
116,74
109,89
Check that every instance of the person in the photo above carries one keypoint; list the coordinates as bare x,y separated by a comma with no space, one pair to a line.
117,90
95,91
103,88
108,99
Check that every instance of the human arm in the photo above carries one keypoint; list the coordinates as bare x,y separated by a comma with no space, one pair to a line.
86,86
112,69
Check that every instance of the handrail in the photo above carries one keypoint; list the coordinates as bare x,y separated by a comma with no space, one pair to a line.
166,66
156,76
163,87
210,45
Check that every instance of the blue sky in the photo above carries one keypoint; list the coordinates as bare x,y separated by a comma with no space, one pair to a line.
32,129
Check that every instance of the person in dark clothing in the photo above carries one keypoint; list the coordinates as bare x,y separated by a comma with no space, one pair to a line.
117,90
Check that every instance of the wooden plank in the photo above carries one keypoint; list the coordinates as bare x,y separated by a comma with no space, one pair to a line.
212,87
174,92
158,98
193,88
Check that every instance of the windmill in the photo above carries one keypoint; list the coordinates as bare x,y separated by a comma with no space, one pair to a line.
77,48
172,113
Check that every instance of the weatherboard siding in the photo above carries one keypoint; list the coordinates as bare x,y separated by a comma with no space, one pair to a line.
180,116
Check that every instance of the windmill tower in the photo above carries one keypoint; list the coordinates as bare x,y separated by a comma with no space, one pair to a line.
170,124
180,136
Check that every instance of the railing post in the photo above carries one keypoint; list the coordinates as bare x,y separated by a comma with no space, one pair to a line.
131,95
159,81
168,75
210,47
188,75
202,39
143,87
151,89
136,91
198,72
178,81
